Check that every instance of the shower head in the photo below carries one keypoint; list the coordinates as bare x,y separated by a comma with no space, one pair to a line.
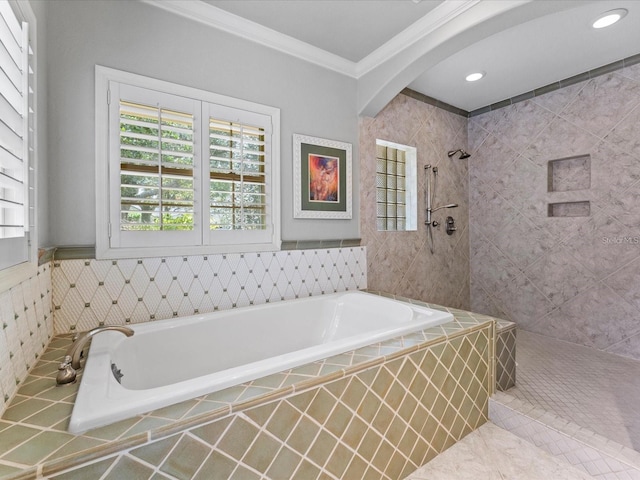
463,154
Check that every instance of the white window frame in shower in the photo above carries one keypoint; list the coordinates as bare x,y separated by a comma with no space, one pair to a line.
411,183
201,236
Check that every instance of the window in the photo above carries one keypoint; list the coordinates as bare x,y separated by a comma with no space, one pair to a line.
17,153
188,171
396,187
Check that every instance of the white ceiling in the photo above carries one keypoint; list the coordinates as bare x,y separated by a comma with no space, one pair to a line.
351,29
353,36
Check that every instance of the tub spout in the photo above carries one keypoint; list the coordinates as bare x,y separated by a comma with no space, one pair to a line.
75,351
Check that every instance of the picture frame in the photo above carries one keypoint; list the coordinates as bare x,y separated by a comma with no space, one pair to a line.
322,171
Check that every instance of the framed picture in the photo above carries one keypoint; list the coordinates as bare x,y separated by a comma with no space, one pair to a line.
322,178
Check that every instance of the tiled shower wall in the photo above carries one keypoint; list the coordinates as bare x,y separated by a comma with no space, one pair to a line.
89,293
574,276
400,262
27,327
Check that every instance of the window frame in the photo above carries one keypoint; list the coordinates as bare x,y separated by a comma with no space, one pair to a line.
410,186
108,192
25,266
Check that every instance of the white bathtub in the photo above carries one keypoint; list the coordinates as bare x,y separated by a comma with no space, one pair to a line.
170,361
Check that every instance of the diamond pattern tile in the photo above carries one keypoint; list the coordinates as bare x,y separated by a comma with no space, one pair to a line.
379,422
89,293
505,357
402,263
26,319
584,386
574,402
374,419
555,275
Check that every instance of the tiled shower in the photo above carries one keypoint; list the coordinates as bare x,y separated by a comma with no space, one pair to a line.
401,262
554,198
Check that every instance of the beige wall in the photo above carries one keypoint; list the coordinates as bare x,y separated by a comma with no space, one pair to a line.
573,278
400,262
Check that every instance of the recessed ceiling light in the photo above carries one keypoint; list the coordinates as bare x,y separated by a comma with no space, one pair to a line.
609,18
474,77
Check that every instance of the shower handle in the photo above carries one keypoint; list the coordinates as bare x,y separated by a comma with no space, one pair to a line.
451,225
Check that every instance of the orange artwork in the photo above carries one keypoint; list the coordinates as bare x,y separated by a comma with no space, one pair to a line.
323,178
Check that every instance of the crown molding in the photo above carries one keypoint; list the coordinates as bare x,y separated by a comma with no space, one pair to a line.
436,18
241,27
249,30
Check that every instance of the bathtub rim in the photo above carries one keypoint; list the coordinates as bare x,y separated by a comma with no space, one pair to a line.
99,359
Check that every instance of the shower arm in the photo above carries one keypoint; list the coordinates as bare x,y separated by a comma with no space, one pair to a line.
451,205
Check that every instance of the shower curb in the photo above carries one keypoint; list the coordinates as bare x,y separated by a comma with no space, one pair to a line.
598,456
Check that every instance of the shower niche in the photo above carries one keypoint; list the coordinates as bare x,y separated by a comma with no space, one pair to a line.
570,174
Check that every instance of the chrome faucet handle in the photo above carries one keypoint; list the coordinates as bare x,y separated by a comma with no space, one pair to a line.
66,373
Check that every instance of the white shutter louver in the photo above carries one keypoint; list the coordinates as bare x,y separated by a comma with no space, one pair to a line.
14,124
156,168
237,176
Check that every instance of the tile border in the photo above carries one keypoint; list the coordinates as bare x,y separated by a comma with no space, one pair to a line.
596,72
88,252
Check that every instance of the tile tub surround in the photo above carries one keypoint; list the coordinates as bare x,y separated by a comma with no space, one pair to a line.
400,262
505,355
571,278
27,328
377,392
89,293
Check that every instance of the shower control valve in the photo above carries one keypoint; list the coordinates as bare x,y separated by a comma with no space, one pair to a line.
451,225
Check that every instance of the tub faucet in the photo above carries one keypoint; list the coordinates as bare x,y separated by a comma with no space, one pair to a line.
75,351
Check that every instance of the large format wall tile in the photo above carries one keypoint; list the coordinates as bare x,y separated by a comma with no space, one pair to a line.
571,277
401,262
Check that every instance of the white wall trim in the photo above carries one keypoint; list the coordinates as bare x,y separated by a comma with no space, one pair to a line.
443,13
236,25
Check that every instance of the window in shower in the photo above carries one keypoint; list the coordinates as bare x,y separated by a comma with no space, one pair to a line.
396,187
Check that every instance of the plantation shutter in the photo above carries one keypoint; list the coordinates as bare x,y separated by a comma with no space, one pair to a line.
239,183
154,163
183,171
14,137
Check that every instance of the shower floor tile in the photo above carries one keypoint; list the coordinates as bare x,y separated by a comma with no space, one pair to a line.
593,389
